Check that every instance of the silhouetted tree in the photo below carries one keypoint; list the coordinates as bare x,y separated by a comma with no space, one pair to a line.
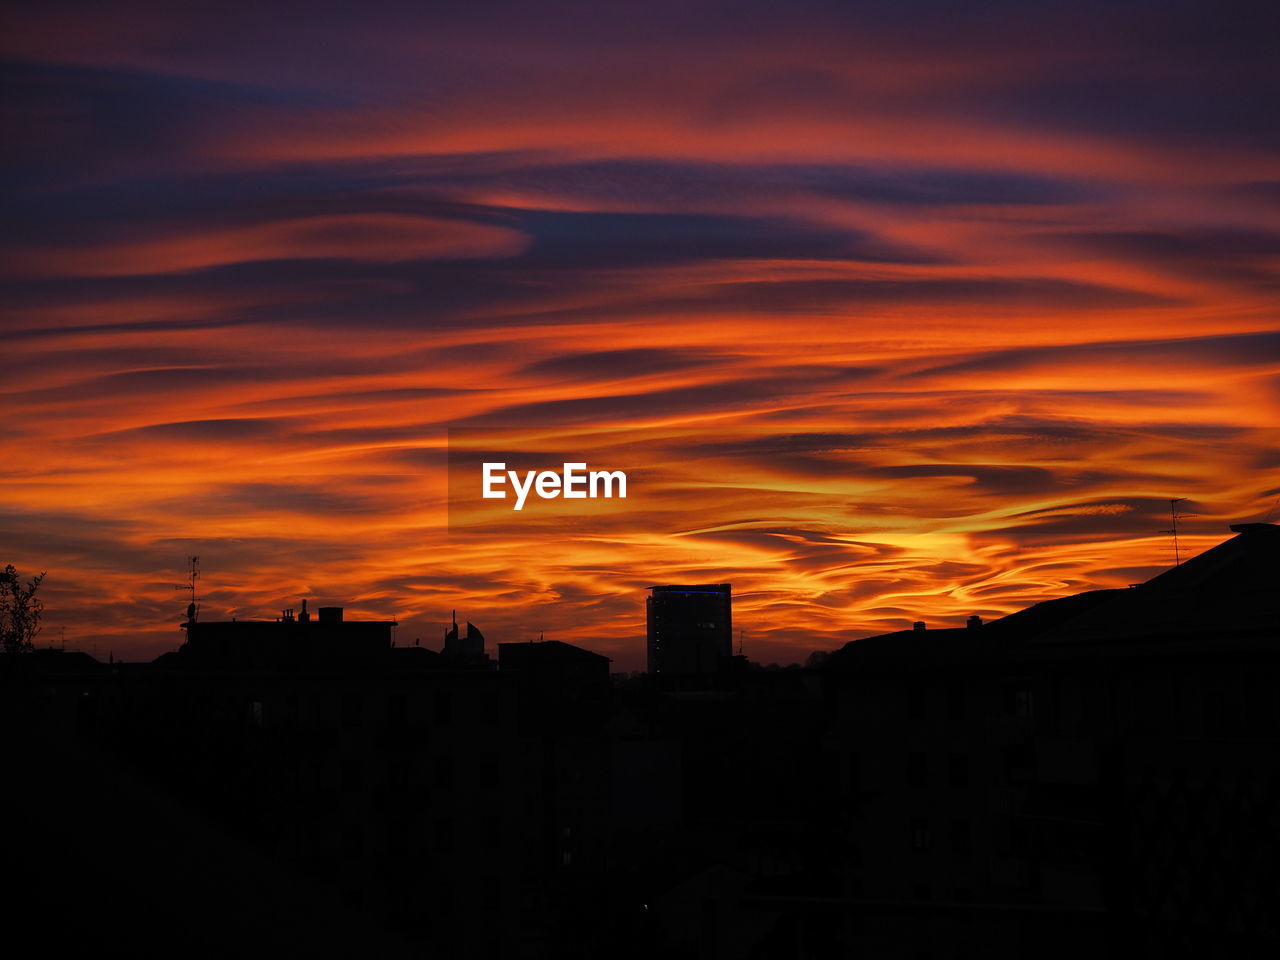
20,611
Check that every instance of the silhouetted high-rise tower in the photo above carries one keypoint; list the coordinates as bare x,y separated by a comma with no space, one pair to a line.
690,627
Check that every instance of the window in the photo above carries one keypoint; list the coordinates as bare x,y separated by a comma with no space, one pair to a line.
1023,703
919,835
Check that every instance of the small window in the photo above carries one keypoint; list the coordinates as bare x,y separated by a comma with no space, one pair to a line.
1023,703
919,835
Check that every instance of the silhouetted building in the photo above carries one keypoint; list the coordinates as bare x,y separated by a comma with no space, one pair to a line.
465,650
551,662
1083,776
690,628
287,641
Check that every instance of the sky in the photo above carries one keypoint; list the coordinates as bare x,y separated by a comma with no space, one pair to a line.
892,312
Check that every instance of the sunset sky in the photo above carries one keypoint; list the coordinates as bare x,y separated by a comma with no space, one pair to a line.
893,312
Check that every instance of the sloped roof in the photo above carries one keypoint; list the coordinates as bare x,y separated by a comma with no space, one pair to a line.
1233,588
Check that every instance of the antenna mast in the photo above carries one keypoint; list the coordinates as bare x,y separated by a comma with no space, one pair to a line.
193,574
1175,516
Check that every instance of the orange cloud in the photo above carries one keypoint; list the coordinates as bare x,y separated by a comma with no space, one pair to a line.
359,237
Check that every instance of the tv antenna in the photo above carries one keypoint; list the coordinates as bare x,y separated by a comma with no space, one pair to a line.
193,574
1175,516
1272,512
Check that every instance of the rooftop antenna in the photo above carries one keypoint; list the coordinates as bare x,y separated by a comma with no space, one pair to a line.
1175,516
193,574
1271,514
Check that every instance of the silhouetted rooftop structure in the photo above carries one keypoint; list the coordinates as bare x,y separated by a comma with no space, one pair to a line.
289,641
552,661
465,650
1227,591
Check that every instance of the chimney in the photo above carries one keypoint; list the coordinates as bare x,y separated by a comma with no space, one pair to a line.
304,616
918,626
975,622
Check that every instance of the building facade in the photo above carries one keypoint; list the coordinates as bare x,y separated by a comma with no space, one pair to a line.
690,628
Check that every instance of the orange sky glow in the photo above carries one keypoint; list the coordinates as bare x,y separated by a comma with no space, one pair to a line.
888,321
